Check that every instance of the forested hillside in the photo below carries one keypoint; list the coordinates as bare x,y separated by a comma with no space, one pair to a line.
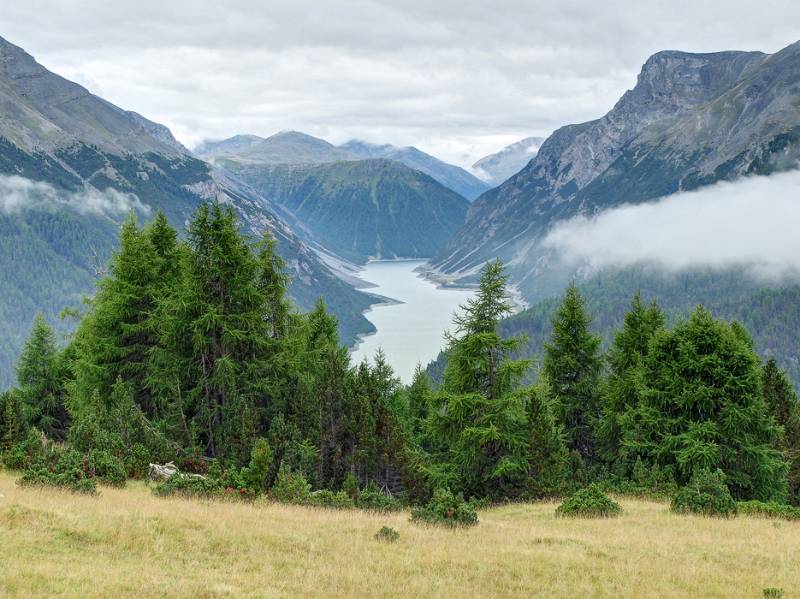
363,209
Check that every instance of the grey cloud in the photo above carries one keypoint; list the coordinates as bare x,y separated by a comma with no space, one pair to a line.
460,79
18,193
752,223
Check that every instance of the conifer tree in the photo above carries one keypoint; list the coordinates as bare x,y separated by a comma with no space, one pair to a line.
572,366
479,414
119,335
625,383
784,408
215,337
12,429
40,374
703,408
549,456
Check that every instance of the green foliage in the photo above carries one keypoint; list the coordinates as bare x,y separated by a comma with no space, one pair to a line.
706,494
40,374
625,384
291,487
338,500
478,420
446,509
106,468
703,407
22,454
371,498
773,592
192,486
255,475
549,460
783,406
387,534
572,366
769,509
66,469
589,502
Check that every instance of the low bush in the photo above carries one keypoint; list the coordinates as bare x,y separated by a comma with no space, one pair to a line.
387,534
770,509
336,500
192,485
23,454
706,494
589,502
291,487
446,509
66,470
107,468
371,498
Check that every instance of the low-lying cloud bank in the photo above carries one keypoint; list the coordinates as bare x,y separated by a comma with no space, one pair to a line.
18,193
752,223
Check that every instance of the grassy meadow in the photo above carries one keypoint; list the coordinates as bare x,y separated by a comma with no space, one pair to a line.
126,542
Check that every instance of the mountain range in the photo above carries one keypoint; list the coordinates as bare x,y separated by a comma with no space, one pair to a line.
296,148
496,168
691,121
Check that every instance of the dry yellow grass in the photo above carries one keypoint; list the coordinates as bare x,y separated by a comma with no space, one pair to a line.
129,543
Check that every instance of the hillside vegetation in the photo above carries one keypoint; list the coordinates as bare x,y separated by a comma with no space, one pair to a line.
56,543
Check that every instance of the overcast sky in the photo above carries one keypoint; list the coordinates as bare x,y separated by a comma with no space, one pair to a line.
459,79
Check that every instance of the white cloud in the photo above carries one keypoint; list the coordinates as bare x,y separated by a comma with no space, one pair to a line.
459,79
752,223
18,193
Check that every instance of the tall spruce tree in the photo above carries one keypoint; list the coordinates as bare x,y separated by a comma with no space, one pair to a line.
784,408
215,337
478,417
118,336
703,408
549,456
572,365
41,375
625,383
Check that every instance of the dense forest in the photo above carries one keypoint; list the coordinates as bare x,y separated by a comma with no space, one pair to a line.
191,352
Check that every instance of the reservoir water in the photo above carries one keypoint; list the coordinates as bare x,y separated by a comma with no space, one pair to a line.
410,330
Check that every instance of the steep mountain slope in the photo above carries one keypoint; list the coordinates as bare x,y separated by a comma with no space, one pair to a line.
451,176
691,120
363,209
496,168
72,165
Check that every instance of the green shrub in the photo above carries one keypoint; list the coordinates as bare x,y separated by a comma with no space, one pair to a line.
66,470
706,494
191,485
325,498
446,509
770,509
24,454
350,486
254,476
291,487
371,498
589,502
387,534
773,593
107,468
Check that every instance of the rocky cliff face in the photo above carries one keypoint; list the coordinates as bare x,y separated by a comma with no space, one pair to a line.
691,120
